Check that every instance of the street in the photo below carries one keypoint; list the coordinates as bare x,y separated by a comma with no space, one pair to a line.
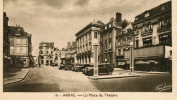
51,79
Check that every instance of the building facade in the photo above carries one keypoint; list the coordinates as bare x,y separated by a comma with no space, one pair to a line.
56,58
6,43
85,39
46,53
107,53
123,40
62,56
70,53
20,47
153,41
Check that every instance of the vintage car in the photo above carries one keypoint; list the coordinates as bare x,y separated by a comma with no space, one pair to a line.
76,66
79,68
54,64
68,66
62,66
84,70
103,68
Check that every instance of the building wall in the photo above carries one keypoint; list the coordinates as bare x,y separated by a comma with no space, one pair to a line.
85,41
154,29
46,53
19,47
108,40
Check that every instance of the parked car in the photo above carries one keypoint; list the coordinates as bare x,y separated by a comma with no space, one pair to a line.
80,67
84,70
54,64
62,66
68,66
103,68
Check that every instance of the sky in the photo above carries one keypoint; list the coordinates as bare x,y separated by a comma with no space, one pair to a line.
59,20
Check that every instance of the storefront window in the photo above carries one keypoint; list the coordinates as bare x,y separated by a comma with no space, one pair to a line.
165,39
147,42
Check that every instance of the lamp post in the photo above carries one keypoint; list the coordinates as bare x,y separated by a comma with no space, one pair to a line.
131,57
96,59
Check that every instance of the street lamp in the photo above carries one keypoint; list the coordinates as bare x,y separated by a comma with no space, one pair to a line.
131,57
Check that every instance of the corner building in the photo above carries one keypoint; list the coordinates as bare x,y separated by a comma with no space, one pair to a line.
153,41
85,39
46,53
108,40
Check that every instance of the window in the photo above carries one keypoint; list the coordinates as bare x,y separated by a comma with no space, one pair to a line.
150,26
11,41
137,43
18,50
51,52
136,18
147,42
95,35
17,41
161,23
11,50
24,50
24,41
146,15
163,8
165,39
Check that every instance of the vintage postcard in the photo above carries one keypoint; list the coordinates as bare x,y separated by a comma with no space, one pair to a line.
88,49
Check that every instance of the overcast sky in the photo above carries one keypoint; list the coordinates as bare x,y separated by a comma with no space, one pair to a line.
59,20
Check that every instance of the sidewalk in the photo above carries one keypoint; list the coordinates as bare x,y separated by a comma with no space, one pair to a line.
121,73
15,75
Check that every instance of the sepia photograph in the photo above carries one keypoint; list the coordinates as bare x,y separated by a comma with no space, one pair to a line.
73,46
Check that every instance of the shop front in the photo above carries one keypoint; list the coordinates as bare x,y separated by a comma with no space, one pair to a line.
156,58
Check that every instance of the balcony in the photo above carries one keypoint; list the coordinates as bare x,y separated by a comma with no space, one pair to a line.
164,28
147,32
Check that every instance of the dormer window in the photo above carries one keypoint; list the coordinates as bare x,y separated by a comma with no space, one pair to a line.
163,8
109,25
136,18
146,15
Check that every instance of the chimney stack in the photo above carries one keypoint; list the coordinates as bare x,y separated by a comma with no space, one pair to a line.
118,16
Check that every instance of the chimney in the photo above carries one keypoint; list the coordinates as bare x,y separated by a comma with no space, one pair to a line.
118,16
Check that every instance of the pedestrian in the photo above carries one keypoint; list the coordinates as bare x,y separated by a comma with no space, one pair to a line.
39,65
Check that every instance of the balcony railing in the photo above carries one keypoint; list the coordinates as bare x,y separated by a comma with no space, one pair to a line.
147,32
164,28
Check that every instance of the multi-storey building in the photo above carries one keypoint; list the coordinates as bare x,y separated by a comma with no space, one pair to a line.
85,39
20,46
6,43
108,39
46,53
62,56
56,58
123,40
153,42
70,53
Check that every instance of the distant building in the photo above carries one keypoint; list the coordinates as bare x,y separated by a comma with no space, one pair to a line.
85,39
56,58
153,39
46,53
21,46
62,56
70,53
6,42
123,40
108,40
